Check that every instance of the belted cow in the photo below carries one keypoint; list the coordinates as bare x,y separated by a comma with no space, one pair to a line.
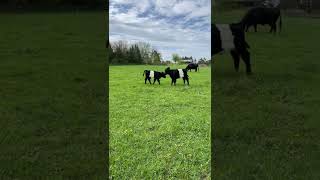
176,74
153,74
231,37
262,15
192,66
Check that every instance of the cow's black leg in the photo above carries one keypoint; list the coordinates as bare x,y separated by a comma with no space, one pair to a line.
247,28
149,79
171,82
184,80
158,81
187,80
246,58
154,80
236,59
175,81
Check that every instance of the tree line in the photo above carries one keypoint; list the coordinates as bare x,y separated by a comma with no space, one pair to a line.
120,52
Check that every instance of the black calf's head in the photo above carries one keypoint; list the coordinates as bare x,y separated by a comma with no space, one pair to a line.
167,70
163,74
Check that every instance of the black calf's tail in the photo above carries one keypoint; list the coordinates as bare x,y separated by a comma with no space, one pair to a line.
280,22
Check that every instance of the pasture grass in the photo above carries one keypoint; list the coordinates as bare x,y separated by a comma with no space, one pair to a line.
52,95
159,131
266,126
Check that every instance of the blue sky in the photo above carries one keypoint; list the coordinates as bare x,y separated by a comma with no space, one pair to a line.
170,26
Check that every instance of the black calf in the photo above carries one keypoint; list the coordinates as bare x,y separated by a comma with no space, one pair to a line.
175,74
156,75
192,66
235,43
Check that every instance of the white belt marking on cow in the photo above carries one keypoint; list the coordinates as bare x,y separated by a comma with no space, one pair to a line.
152,74
226,37
181,73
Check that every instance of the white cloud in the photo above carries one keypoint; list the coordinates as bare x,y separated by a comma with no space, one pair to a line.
169,25
184,7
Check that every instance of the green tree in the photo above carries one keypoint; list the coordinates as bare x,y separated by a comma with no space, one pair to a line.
131,57
145,51
110,53
137,54
176,58
121,52
156,57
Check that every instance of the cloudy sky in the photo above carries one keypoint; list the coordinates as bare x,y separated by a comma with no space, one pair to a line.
170,26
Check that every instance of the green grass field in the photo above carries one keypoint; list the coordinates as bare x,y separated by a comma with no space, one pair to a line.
266,126
52,95
159,131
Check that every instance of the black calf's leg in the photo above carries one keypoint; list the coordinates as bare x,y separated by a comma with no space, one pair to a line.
171,82
184,80
187,80
246,58
273,28
149,79
154,80
158,81
236,59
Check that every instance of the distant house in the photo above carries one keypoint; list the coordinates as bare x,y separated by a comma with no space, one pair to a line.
187,59
307,5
